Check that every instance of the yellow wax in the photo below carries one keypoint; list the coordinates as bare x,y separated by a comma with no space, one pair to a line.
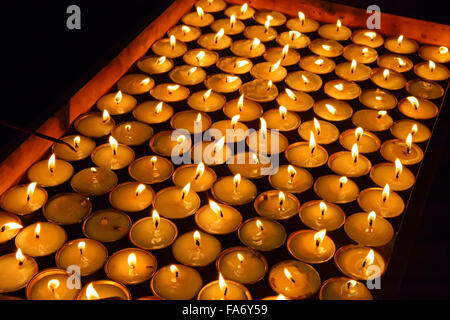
283,180
333,216
361,72
7,231
317,64
395,80
227,220
51,238
279,19
151,65
40,173
104,157
224,190
165,142
343,163
222,82
169,203
94,181
147,112
307,279
178,31
213,102
135,83
225,128
434,53
326,48
188,173
114,106
184,76
262,71
208,41
90,259
371,120
268,236
329,188
299,154
146,235
185,286
83,148
340,110
367,142
194,57
328,132
162,47
245,48
337,289
118,266
424,89
196,254
15,199
165,92
361,53
211,5
13,276
239,13
397,149
272,142
105,289
132,133
40,289
301,101
276,53
392,61
234,65
371,199
342,89
107,225
260,32
143,169
92,125
224,24
235,291
330,31
268,205
250,165
259,90
242,265
370,38
67,208
349,259
358,229
188,120
204,152
250,110
307,26
295,42
378,99
125,197
424,110
402,128
194,19
302,245
384,173
406,46
288,122
304,81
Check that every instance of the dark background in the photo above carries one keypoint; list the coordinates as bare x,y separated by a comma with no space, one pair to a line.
44,64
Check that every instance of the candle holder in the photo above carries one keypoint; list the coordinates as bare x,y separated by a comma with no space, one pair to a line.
319,215
291,179
311,246
294,100
104,290
326,48
397,63
234,65
418,108
153,112
372,120
384,202
67,208
23,199
250,165
396,176
131,196
424,89
305,154
370,38
360,53
196,249
201,177
106,225
434,53
368,229
51,284
169,92
262,234
366,141
94,181
378,99
153,233
176,202
132,133
200,57
317,64
135,83
218,219
277,205
94,124
402,128
40,239
83,146
344,289
18,269
212,291
155,64
336,189
302,24
166,143
151,169
10,225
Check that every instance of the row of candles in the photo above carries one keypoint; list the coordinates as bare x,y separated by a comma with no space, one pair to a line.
239,265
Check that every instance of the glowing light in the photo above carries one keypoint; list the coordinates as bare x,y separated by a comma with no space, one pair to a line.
312,142
219,35
240,103
401,62
222,285
161,60
281,198
400,40
292,172
339,86
275,66
240,257
155,218
114,145
174,270
294,34
76,141
330,108
414,102
385,193
197,238
172,88
37,230
353,66
153,160
355,153
185,29
283,111
255,43
159,107
216,208
316,126
185,190
144,82
369,259
91,293
234,121
326,47
269,18
259,224
191,71
301,17
30,190
200,55
359,133
139,189
236,180
232,21
338,25
443,50
342,182
19,257
118,97
200,12
288,275
229,79
319,236
53,284
323,208
319,61
127,127
244,8
132,261
431,66
398,168
81,246
105,116
51,163
386,74
285,51
414,129
371,218
381,113
199,170
291,94
408,143
372,35
10,226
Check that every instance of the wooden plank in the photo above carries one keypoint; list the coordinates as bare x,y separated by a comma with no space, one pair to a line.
391,25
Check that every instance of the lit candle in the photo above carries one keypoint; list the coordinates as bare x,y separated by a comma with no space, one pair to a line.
218,219
185,33
262,234
51,172
200,57
311,246
135,83
292,179
306,154
269,71
336,31
360,53
169,92
277,205
387,78
176,202
336,189
112,155
398,63
234,190
196,249
324,131
281,119
401,44
94,124
319,214
355,261
132,133
295,100
333,109
200,176
435,53
94,181
344,289
234,65
104,290
353,71
67,208
151,169
394,174
267,141
378,99
169,47
248,110
294,39
212,153
40,239
402,128
372,120
370,38
83,148
432,71
224,290
187,75
406,151
167,143
326,48
10,225
366,141
302,24
383,201
116,103
206,100
17,271
190,120
222,82
342,89
215,41
51,284
250,48
368,229
231,26
211,5
131,197
263,32
106,225
349,163
155,64
250,165
23,199
304,81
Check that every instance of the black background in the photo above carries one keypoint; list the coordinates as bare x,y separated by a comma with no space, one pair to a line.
44,64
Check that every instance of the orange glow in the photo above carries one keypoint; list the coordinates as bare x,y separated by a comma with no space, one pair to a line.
369,259
291,94
237,180
161,60
263,126
364,51
431,65
20,257
319,61
218,146
269,85
351,284
338,25
381,113
76,141
312,142
288,275
244,8
185,190
234,121
353,66
372,35
139,189
232,21
191,71
401,62
240,257
81,246
222,285
443,50
172,88
398,168
197,238
174,270
339,86
155,218
144,82
326,47
105,116
10,226
330,108
216,208
91,293
400,40
206,95
408,143
281,297
358,133
240,63
198,118
319,236
128,127
283,111
414,129
259,224
275,66
371,218
51,163
200,170
200,55
118,97
269,18
294,34
355,153
114,145
385,193
414,102
386,74
185,29
316,126
342,181
285,51
219,35
281,198
255,43
229,79
240,102
301,17
53,284
254,158
323,208
37,230
159,107
30,190
181,139
153,160
132,261
172,41
200,12
292,172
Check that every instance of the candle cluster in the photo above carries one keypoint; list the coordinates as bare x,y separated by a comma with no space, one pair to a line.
349,110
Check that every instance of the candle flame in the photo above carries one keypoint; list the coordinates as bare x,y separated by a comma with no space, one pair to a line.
161,60
174,270
372,35
400,40
145,81
386,74
288,275
351,284
283,111
319,61
200,55
172,88
364,51
11,226
30,190
385,193
263,125
159,107
255,43
215,207
254,158
155,218
240,257
342,181
381,113
401,62
431,65
301,17
353,66
118,97
153,160
338,25
191,71
326,47
181,139
312,142
244,8
319,236
414,102
408,142
76,141
232,21
200,12
291,94
240,102
51,163
359,133
269,18
219,35
369,258
93,170
197,238
172,41
316,125
53,284
330,108
114,145
128,127
241,63
105,116
291,170
323,207
19,256
81,246
275,66
281,197
259,224
185,190
294,34
37,230
234,120
229,78
139,189
222,284
443,50
281,297
414,129
269,85
199,117
398,168
91,293
285,51
199,170
219,144
237,180
132,260
371,217
185,29
207,94
355,152
339,86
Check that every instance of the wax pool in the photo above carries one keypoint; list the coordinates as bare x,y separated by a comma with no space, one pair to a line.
107,225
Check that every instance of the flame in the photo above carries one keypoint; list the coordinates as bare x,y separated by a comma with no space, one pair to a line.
240,102
431,65
181,139
275,66
244,8
398,168
144,81
11,226
381,113
338,25
294,34
81,246
291,94
408,142
159,107
323,207
237,180
385,193
326,47
76,141
401,62
118,97
185,190
200,12
215,207
191,71
37,230
263,125
283,111
174,270
359,133
197,238
386,74
200,170
232,21
172,41
229,78
155,218
353,66
269,85
355,153
281,297
414,129
91,293
312,142
281,197
259,224
30,190
351,284
269,18
53,284
153,160
255,43
240,63
369,258
316,125
19,256
198,118
172,88
291,170
235,119
132,260
319,236
219,35
400,40
161,60
185,29
284,51
254,158
339,86
319,61
342,181
288,275
128,127
364,51
372,35
219,144
105,116
222,284
114,145
200,55
93,170
51,163
240,257
443,50
371,217
139,189
301,17
330,108
414,102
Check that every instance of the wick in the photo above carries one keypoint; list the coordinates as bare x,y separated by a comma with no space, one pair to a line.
3,228
322,212
176,274
225,291
292,279
364,263
197,243
221,213
20,263
81,251
156,224
317,242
